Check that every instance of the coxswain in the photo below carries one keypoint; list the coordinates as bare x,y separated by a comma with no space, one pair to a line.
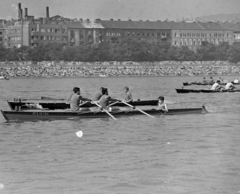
105,100
230,86
76,99
161,104
97,95
216,86
128,96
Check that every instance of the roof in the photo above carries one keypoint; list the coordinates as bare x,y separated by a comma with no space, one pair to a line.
71,24
232,26
118,24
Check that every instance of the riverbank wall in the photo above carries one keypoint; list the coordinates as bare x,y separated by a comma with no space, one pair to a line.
114,68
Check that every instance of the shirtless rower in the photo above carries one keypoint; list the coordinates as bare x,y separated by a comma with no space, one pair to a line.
97,95
105,100
76,99
68,99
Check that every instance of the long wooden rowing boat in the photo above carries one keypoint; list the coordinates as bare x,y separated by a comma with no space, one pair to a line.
203,84
52,105
62,114
203,91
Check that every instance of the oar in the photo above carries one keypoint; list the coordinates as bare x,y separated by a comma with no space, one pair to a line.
104,110
50,98
83,103
138,109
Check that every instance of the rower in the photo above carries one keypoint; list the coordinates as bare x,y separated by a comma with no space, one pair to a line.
128,96
105,100
97,95
161,104
216,86
76,99
68,99
230,86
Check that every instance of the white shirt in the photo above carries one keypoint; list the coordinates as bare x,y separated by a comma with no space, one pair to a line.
236,81
228,85
214,86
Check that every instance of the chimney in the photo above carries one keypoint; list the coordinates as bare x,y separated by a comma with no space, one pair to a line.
47,12
19,11
26,13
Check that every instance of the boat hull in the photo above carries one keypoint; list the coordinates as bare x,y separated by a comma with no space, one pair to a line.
203,91
204,84
52,105
52,115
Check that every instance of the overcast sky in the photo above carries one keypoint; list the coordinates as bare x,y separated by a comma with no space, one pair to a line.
121,9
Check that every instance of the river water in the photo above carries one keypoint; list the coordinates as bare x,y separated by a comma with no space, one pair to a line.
197,154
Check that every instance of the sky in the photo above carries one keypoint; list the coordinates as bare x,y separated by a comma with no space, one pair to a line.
121,9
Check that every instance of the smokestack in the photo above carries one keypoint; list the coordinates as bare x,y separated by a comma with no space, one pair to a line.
26,13
19,11
47,12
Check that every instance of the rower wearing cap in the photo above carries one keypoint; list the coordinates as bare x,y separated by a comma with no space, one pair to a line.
128,96
161,104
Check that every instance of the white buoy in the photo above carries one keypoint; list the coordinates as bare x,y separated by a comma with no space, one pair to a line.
1,186
79,133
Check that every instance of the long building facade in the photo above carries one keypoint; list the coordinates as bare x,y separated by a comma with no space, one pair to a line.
27,31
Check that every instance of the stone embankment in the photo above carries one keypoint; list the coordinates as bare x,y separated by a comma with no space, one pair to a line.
106,69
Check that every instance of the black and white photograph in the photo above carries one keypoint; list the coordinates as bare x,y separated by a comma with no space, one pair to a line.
120,97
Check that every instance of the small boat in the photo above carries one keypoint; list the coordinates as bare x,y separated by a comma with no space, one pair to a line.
203,84
203,91
25,104
62,114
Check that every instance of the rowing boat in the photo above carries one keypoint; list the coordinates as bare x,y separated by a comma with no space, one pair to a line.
203,84
63,114
203,91
54,104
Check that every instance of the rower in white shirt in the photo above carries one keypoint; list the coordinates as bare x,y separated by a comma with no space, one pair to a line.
216,86
230,86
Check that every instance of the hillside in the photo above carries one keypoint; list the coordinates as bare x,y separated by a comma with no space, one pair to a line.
220,18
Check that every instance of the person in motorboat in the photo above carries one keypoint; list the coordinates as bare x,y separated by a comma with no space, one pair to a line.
230,86
161,104
76,100
211,81
236,81
216,86
97,95
105,99
205,81
127,96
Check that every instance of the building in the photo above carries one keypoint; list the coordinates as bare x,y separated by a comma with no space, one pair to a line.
27,31
153,31
235,27
193,34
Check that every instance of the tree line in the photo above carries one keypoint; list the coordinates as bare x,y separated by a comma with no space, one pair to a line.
127,50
